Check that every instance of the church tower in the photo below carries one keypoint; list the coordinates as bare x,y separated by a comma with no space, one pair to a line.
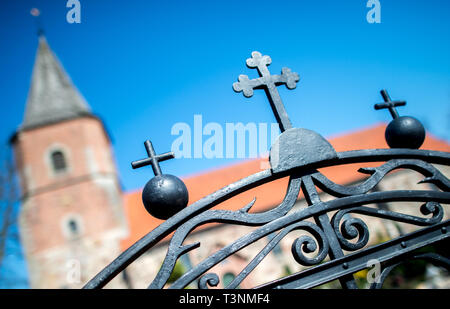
71,218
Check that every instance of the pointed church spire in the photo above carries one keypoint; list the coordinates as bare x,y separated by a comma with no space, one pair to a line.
52,96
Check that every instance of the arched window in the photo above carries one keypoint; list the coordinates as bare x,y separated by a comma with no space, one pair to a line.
58,161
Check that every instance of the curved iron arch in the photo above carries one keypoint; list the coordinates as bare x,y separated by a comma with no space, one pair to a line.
349,199
298,154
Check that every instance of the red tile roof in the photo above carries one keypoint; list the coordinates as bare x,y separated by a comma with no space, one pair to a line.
267,195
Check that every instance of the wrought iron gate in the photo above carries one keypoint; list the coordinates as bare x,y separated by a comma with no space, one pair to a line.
299,153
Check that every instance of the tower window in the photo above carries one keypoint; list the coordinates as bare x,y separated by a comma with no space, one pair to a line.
58,161
73,227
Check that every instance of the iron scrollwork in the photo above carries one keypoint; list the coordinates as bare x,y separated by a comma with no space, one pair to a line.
299,154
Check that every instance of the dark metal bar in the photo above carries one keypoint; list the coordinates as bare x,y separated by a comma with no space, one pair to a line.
434,258
389,104
309,212
278,107
298,153
354,262
161,231
269,83
153,159
323,221
153,237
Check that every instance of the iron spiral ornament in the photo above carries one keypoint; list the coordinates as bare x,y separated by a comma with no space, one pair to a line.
334,248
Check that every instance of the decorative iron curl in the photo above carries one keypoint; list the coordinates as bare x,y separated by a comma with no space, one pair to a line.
350,229
210,279
356,227
432,208
201,206
432,175
300,216
307,244
296,249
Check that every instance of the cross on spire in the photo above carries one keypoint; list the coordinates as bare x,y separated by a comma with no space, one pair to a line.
269,83
153,159
389,104
37,14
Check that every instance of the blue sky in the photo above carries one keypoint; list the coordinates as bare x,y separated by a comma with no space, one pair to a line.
146,65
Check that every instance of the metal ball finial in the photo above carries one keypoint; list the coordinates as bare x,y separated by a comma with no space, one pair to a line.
164,195
402,131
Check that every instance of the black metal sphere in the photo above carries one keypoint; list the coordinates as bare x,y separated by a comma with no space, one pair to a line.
405,132
165,195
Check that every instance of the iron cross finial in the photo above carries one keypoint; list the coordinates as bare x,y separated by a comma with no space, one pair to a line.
389,104
404,131
269,83
153,159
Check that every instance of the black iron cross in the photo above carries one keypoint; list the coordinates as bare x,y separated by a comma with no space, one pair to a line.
388,103
153,159
269,83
